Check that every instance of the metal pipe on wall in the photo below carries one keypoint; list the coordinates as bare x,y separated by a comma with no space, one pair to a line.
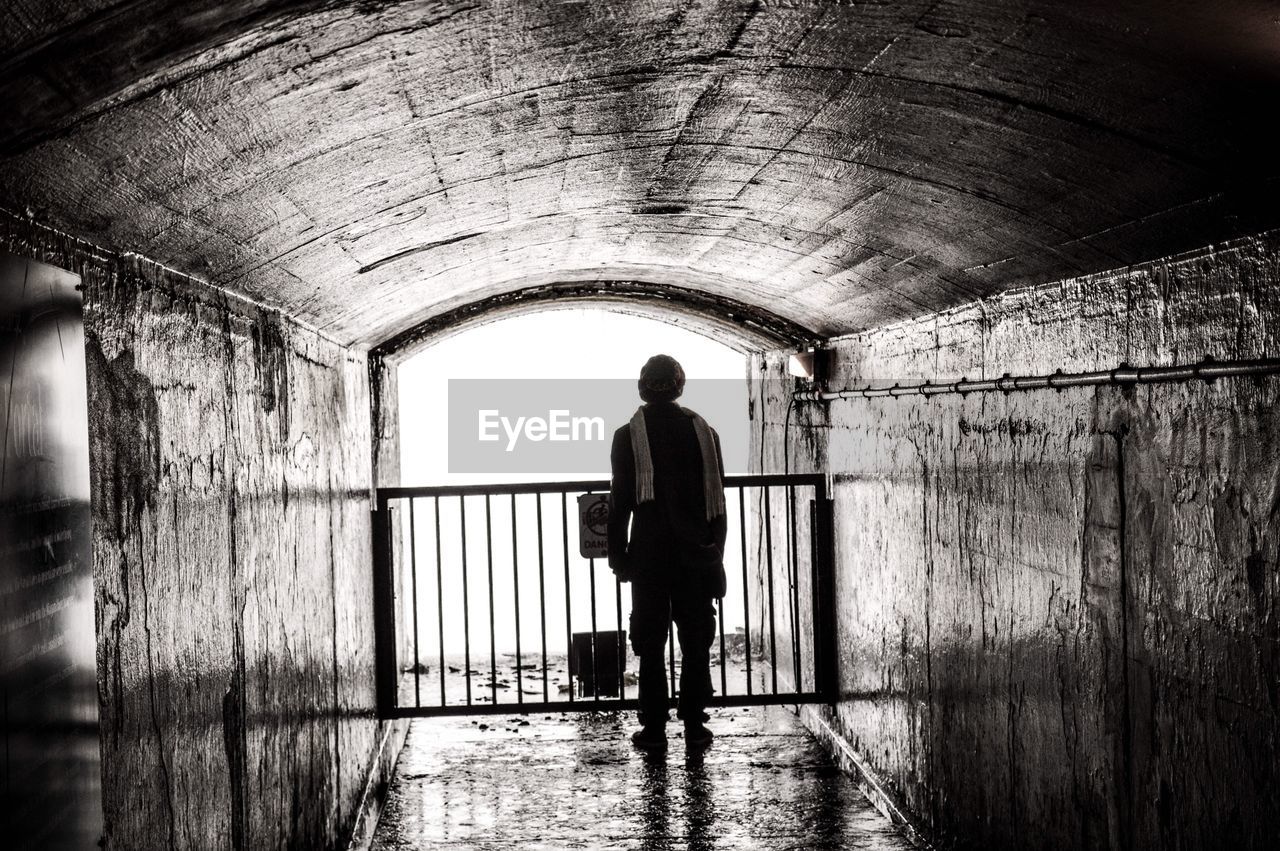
1205,370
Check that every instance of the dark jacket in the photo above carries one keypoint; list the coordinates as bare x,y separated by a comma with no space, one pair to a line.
670,538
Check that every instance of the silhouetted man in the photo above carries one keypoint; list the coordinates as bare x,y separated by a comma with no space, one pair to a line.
668,482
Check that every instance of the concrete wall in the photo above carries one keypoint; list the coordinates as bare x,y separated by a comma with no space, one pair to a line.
230,453
1059,612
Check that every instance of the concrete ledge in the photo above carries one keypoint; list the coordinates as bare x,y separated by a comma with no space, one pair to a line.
382,769
816,719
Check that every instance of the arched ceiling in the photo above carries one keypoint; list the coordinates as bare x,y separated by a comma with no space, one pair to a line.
735,324
369,166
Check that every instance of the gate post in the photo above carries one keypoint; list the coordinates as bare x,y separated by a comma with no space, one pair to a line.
826,661
384,613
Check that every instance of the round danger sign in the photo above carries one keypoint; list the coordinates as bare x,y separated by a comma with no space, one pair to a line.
593,525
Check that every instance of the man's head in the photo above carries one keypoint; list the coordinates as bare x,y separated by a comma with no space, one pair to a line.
661,379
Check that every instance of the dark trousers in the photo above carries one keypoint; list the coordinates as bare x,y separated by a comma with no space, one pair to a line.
653,608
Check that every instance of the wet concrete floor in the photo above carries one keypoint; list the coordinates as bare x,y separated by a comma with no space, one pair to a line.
574,780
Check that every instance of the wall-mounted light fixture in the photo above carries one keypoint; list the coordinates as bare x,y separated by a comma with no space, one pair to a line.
810,364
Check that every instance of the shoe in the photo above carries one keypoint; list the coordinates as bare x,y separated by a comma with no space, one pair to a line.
650,738
697,735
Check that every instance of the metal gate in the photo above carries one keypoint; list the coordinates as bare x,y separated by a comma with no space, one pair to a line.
483,605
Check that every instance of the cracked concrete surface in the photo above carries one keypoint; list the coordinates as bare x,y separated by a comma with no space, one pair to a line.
566,781
230,467
371,166
1073,596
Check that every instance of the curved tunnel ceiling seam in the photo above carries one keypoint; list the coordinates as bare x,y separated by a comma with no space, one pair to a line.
699,303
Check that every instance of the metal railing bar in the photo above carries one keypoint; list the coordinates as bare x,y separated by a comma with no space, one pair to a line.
793,559
671,655
495,489
823,680
622,650
825,637
568,607
724,674
746,587
404,492
515,578
440,600
595,655
413,589
595,632
386,677
782,699
466,603
767,519
542,596
493,643
815,586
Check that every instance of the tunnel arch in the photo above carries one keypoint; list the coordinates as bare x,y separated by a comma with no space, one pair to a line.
738,325
254,192
366,167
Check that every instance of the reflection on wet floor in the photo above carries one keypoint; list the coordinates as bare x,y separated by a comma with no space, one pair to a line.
512,681
574,781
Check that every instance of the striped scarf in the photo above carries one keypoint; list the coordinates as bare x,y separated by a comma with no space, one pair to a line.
712,486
